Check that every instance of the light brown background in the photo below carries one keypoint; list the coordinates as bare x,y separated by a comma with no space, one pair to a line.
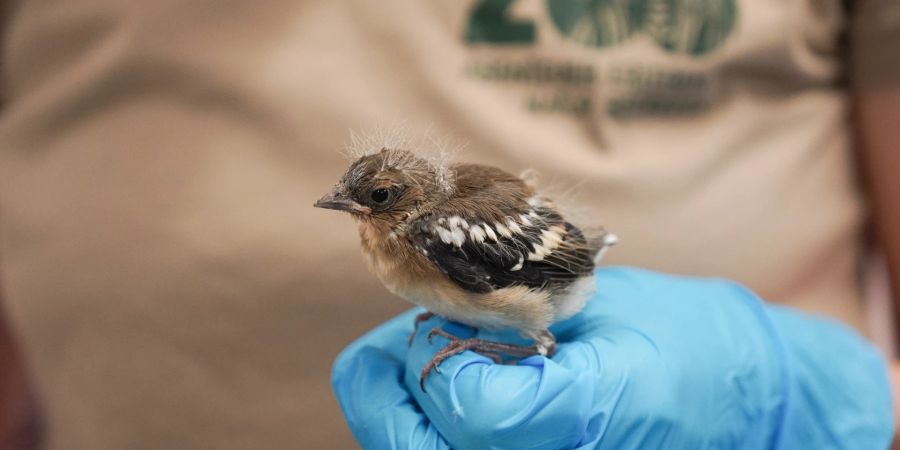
172,286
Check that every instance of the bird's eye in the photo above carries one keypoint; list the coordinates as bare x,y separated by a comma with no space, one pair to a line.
380,195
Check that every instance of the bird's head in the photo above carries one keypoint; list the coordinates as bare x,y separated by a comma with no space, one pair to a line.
388,187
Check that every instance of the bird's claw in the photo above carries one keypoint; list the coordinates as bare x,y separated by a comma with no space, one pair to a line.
440,332
492,350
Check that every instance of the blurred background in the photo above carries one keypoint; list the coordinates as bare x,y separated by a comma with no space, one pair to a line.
167,284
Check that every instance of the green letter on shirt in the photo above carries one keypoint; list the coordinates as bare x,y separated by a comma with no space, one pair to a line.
489,23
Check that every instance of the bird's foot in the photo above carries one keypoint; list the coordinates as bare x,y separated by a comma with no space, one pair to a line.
456,346
419,319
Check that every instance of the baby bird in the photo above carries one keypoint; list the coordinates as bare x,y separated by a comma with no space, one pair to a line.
470,243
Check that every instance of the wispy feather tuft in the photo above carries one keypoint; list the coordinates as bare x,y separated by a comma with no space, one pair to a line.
438,153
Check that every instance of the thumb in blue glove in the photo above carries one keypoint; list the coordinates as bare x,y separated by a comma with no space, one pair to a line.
653,362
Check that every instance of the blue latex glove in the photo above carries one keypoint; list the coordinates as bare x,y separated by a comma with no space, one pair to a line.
653,362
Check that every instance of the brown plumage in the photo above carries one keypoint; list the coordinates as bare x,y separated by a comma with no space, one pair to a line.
471,243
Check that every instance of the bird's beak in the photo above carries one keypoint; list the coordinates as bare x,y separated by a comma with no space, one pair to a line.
340,202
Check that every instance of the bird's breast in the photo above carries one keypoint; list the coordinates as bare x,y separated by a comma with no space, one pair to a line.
394,261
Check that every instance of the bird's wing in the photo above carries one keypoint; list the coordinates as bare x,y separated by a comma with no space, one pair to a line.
535,248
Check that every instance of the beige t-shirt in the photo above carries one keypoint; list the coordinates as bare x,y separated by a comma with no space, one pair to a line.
170,282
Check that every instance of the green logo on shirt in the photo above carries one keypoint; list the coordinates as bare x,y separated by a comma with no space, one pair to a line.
691,27
624,88
597,23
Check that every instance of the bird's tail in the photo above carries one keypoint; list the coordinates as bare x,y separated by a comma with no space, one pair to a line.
605,241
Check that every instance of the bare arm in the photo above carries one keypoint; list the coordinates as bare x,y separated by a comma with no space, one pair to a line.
875,80
18,419
875,95
877,121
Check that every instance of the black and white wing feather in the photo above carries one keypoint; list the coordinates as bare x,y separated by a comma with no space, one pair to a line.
536,248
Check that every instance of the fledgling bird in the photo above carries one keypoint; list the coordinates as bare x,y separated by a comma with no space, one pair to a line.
470,243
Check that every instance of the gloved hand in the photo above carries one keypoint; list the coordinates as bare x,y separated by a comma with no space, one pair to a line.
653,361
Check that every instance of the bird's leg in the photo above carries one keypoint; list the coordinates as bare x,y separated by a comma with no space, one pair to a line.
487,348
421,317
